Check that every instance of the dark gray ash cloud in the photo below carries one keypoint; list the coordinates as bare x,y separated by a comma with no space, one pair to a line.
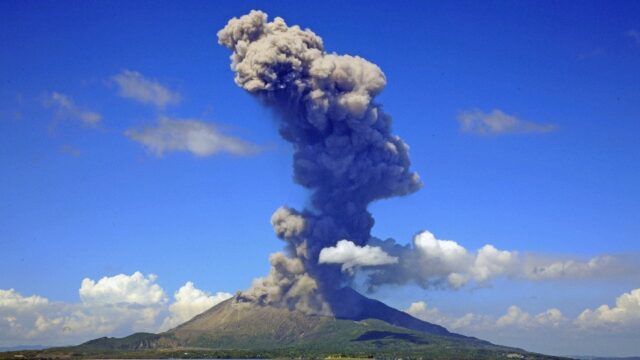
344,151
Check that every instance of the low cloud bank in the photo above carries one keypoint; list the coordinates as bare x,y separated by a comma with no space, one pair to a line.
607,329
112,306
625,312
431,262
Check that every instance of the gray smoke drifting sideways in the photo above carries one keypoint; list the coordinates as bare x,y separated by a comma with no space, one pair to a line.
344,151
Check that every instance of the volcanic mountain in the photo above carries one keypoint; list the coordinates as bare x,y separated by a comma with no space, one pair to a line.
238,328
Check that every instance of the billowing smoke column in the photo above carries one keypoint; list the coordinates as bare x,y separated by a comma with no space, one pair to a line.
344,150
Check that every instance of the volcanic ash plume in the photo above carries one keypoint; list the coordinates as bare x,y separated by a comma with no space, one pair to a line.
344,151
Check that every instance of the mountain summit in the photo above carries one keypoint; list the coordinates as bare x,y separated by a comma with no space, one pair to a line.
239,328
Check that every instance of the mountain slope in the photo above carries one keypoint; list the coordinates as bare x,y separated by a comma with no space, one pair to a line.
237,328
235,323
350,304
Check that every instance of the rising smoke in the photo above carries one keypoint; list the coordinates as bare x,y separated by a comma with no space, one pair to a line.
344,151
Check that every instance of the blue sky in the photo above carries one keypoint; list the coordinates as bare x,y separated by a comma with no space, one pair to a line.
82,198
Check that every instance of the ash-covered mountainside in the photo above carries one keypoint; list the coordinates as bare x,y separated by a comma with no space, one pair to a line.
239,315
242,328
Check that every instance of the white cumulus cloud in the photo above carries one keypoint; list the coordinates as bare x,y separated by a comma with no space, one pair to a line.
516,317
448,253
497,122
189,302
490,262
194,136
12,299
350,255
626,312
112,306
422,311
133,85
428,261
105,309
552,317
547,331
467,322
131,289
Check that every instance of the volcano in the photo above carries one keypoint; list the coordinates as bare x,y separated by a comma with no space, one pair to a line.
240,328
345,153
